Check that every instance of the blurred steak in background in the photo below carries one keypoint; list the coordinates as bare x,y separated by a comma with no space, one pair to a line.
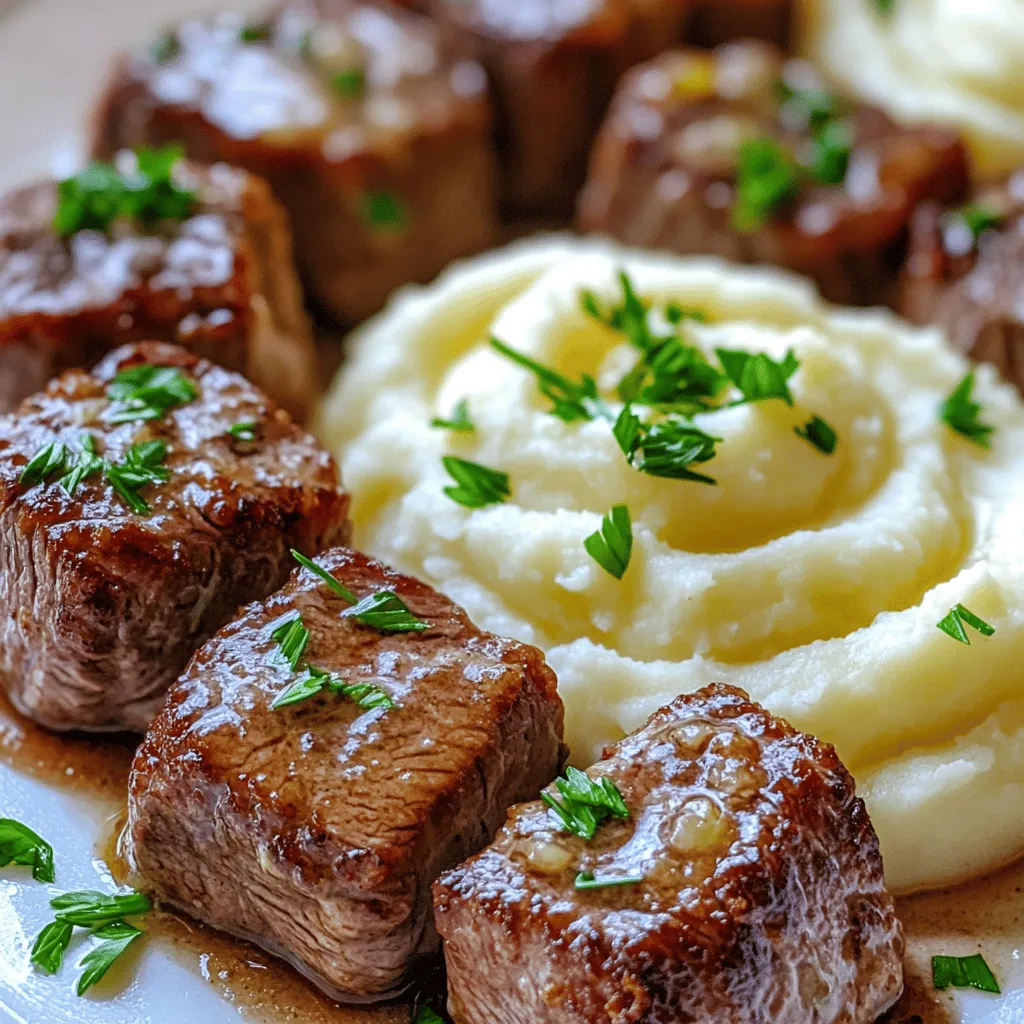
740,153
314,824
373,135
214,273
713,22
140,505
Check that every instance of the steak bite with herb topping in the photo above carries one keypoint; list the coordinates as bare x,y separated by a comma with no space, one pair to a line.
151,249
965,273
716,865
140,505
373,135
325,757
743,154
552,65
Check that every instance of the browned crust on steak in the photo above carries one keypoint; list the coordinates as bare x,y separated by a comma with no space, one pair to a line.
317,829
222,283
663,172
778,915
102,606
423,139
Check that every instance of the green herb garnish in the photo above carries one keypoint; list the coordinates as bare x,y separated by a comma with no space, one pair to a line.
254,33
960,412
665,449
963,972
20,845
165,48
336,585
50,945
316,680
147,392
818,432
117,937
350,84
805,108
50,460
85,464
245,431
953,624
585,880
829,152
585,802
612,546
758,377
384,211
977,218
475,486
570,401
140,466
458,420
884,7
767,177
292,638
425,1015
89,908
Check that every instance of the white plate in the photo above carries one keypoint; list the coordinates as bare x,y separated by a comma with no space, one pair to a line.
52,58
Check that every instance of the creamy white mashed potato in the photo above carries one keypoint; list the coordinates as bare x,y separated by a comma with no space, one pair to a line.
814,582
956,62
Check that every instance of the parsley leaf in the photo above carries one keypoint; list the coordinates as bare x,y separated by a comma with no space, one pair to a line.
585,802
960,412
292,638
117,936
244,431
335,584
612,546
316,680
665,449
458,420
953,624
20,845
140,466
350,84
165,47
85,465
963,972
384,211
828,152
148,392
673,376
253,33
884,7
818,432
385,611
475,486
757,376
425,1015
767,177
50,460
90,908
628,431
50,945
571,401
977,218
585,880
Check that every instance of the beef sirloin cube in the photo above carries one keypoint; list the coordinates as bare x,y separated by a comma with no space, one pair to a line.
374,135
186,503
220,280
741,885
313,821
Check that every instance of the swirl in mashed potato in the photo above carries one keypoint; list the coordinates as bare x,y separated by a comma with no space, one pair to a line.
955,62
814,582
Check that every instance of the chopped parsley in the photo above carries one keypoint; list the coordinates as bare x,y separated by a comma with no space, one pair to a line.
585,802
884,7
757,376
116,937
253,33
50,460
50,945
963,972
316,681
20,845
977,218
767,178
475,486
425,1015
818,432
665,449
350,84
960,412
244,431
959,616
292,638
806,107
148,392
828,152
383,211
100,194
612,546
165,48
458,420
86,464
140,466
335,584
585,880
570,401
89,908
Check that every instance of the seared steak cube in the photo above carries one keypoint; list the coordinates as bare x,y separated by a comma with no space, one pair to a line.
713,22
316,828
744,887
128,541
374,137
742,154
219,280
965,273
553,65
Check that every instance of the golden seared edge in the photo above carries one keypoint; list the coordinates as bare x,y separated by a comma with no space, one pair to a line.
762,898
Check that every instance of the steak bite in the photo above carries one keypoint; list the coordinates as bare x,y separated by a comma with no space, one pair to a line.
553,65
742,154
133,527
308,805
213,273
742,885
375,138
965,273
713,22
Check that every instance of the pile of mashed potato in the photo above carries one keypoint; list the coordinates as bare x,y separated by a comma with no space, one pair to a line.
814,582
955,62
